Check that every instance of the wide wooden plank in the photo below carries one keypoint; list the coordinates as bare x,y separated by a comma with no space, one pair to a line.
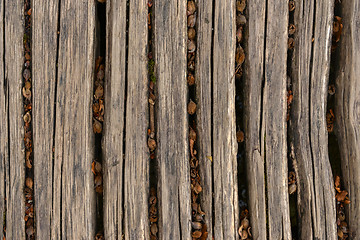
74,140
203,81
14,60
137,122
44,54
114,118
172,126
254,139
226,219
348,110
316,202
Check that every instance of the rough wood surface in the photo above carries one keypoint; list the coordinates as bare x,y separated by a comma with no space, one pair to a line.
172,123
15,169
274,120
316,199
203,81
114,119
44,54
348,110
254,142
73,180
137,114
226,221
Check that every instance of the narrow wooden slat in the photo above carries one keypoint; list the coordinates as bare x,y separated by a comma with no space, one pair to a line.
137,122
44,53
316,200
114,118
203,83
14,60
274,120
173,151
224,127
254,139
348,110
74,138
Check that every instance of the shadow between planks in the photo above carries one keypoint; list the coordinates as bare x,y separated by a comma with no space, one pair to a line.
63,58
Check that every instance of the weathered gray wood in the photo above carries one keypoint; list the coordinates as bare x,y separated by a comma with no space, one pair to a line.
4,157
44,53
274,120
226,221
316,199
254,139
172,125
348,110
137,122
114,118
203,81
14,60
73,180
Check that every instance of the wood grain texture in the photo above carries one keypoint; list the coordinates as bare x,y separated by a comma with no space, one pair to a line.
44,54
172,123
14,60
137,155
114,119
274,120
4,156
348,110
254,139
203,81
224,127
74,138
316,199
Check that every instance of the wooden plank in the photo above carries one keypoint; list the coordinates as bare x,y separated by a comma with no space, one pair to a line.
274,120
114,118
14,60
44,54
173,151
316,202
226,220
348,110
254,142
137,114
4,157
73,180
203,81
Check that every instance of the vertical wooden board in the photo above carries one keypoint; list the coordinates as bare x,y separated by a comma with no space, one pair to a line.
73,134
203,81
4,158
348,110
14,33
172,123
114,118
274,117
137,122
44,54
254,145
224,128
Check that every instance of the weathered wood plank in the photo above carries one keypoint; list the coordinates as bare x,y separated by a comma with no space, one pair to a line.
316,202
254,142
4,157
224,126
114,118
203,81
14,59
274,120
137,122
74,138
44,54
348,110
173,151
